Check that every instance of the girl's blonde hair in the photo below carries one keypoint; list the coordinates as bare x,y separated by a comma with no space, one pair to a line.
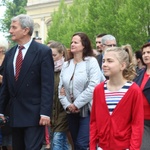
125,55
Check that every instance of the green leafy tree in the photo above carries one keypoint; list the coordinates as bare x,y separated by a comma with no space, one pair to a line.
55,31
13,8
92,25
127,20
134,23
67,20
102,17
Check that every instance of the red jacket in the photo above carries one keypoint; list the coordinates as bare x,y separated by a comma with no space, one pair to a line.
121,130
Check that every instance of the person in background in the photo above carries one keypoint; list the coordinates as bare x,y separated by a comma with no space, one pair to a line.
143,80
117,111
47,128
59,123
99,48
3,48
49,42
37,39
6,130
99,45
79,75
96,53
106,42
28,83
139,61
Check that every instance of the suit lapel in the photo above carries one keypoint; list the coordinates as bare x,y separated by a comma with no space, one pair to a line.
146,89
139,78
11,67
27,62
147,85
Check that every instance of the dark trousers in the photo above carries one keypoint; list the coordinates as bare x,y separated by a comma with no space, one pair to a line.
79,129
27,138
146,138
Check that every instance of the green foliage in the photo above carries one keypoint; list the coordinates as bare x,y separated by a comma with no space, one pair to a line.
67,20
13,8
127,20
92,25
98,19
133,23
56,30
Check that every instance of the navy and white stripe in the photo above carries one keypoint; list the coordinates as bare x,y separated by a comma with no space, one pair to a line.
113,97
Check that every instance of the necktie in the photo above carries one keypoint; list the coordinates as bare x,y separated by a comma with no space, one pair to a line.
19,60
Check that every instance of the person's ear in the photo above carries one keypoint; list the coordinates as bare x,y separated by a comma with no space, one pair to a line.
26,30
123,66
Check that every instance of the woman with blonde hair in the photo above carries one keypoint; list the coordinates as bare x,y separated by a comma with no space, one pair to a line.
117,112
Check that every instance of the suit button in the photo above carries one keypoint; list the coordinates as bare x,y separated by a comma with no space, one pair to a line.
27,85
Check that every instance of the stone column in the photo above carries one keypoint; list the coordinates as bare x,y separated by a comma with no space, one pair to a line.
43,29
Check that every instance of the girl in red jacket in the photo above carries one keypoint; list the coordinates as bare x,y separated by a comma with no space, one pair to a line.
117,111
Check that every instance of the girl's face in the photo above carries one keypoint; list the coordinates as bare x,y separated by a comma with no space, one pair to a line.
146,55
76,44
56,55
111,65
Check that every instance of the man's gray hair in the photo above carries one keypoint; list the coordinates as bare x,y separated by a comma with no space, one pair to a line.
107,37
25,21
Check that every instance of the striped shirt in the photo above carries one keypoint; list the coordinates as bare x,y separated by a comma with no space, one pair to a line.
113,97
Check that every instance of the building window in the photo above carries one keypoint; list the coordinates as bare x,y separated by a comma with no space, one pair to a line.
36,30
36,34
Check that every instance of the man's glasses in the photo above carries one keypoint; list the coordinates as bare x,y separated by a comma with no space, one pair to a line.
110,45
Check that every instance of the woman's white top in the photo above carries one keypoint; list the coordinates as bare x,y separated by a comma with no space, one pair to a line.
79,81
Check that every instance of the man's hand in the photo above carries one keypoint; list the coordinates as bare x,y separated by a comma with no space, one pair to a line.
44,120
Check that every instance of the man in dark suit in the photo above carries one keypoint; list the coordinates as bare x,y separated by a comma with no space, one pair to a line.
99,48
30,94
104,41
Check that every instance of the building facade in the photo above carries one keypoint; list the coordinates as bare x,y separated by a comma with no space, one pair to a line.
41,12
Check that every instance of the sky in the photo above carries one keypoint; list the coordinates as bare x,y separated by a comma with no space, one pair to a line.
2,10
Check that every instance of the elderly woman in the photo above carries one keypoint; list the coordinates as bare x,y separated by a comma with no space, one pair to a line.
3,48
6,132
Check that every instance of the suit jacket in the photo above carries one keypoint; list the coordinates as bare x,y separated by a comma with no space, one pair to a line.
32,94
100,60
139,79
